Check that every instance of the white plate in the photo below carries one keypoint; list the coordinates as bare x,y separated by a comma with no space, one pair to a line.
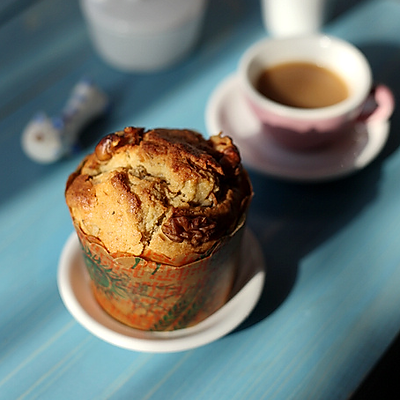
228,111
74,287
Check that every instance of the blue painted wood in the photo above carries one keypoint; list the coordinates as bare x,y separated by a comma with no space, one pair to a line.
331,299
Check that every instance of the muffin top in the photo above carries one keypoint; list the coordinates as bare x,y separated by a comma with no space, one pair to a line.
160,194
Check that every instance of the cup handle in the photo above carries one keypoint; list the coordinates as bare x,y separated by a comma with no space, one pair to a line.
379,105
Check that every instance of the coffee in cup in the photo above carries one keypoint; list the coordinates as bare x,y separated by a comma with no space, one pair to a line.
310,90
302,85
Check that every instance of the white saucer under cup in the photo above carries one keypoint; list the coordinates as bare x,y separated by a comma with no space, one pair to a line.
228,111
75,291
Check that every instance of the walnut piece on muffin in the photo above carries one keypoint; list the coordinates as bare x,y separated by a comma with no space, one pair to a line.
159,193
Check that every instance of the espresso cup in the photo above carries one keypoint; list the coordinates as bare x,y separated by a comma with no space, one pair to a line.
321,119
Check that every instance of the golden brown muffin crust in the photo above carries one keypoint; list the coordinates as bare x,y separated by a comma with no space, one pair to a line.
161,191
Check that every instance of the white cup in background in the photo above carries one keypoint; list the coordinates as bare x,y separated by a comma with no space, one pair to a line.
293,17
144,35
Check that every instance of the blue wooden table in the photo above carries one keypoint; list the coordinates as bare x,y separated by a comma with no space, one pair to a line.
331,301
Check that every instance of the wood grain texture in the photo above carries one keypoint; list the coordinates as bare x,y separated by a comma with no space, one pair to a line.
330,304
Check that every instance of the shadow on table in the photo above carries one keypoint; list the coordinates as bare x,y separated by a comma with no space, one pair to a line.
291,219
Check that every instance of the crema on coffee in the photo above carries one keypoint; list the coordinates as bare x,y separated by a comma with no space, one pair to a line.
302,85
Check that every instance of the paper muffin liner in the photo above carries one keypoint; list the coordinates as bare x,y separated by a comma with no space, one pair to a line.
153,296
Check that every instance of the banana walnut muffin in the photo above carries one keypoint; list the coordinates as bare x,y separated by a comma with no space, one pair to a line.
161,194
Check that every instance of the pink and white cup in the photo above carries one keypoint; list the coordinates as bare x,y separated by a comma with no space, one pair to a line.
307,128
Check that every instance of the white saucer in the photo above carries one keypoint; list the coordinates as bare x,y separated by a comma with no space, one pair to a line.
228,111
74,287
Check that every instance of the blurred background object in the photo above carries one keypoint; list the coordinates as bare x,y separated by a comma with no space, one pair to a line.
293,17
144,35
